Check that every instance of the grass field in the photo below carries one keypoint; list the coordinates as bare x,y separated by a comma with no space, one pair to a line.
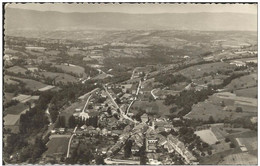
52,52
203,110
249,142
16,70
212,107
221,147
197,71
16,110
72,69
207,136
161,93
31,84
7,80
8,97
67,112
59,77
247,92
240,159
157,105
243,82
57,145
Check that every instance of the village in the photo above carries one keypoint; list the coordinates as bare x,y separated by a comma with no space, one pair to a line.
91,110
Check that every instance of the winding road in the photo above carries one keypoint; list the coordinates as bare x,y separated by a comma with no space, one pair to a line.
155,97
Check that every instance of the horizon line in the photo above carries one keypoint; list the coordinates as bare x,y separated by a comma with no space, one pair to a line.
128,13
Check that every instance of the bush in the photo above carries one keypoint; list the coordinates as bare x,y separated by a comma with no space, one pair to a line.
227,140
239,109
232,145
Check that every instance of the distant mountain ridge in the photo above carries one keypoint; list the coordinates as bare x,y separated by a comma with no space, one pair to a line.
20,19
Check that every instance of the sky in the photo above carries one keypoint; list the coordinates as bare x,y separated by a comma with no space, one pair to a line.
139,8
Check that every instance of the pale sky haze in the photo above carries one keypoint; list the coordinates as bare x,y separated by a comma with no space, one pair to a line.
139,8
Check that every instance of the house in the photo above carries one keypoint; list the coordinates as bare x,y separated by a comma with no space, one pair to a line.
151,148
162,140
103,94
79,132
116,132
53,131
104,132
33,69
61,130
84,127
135,149
144,118
104,150
168,127
78,109
126,87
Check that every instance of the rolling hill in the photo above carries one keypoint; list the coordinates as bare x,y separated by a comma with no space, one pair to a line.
20,19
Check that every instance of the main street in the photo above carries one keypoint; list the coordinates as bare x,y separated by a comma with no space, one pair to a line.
121,112
137,92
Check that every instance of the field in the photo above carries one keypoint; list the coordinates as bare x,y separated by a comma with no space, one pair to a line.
31,84
157,106
162,93
243,82
250,143
16,110
197,71
213,107
248,92
207,136
68,111
8,97
216,80
7,80
221,147
16,70
59,77
72,69
57,145
10,120
52,52
74,51
240,159
203,110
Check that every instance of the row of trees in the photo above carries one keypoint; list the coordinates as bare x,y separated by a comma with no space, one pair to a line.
34,120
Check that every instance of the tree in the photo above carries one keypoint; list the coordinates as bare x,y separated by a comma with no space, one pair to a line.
239,109
173,109
227,140
90,106
61,122
127,149
118,101
99,160
223,104
38,148
109,111
211,120
232,145
72,121
85,156
143,157
209,152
